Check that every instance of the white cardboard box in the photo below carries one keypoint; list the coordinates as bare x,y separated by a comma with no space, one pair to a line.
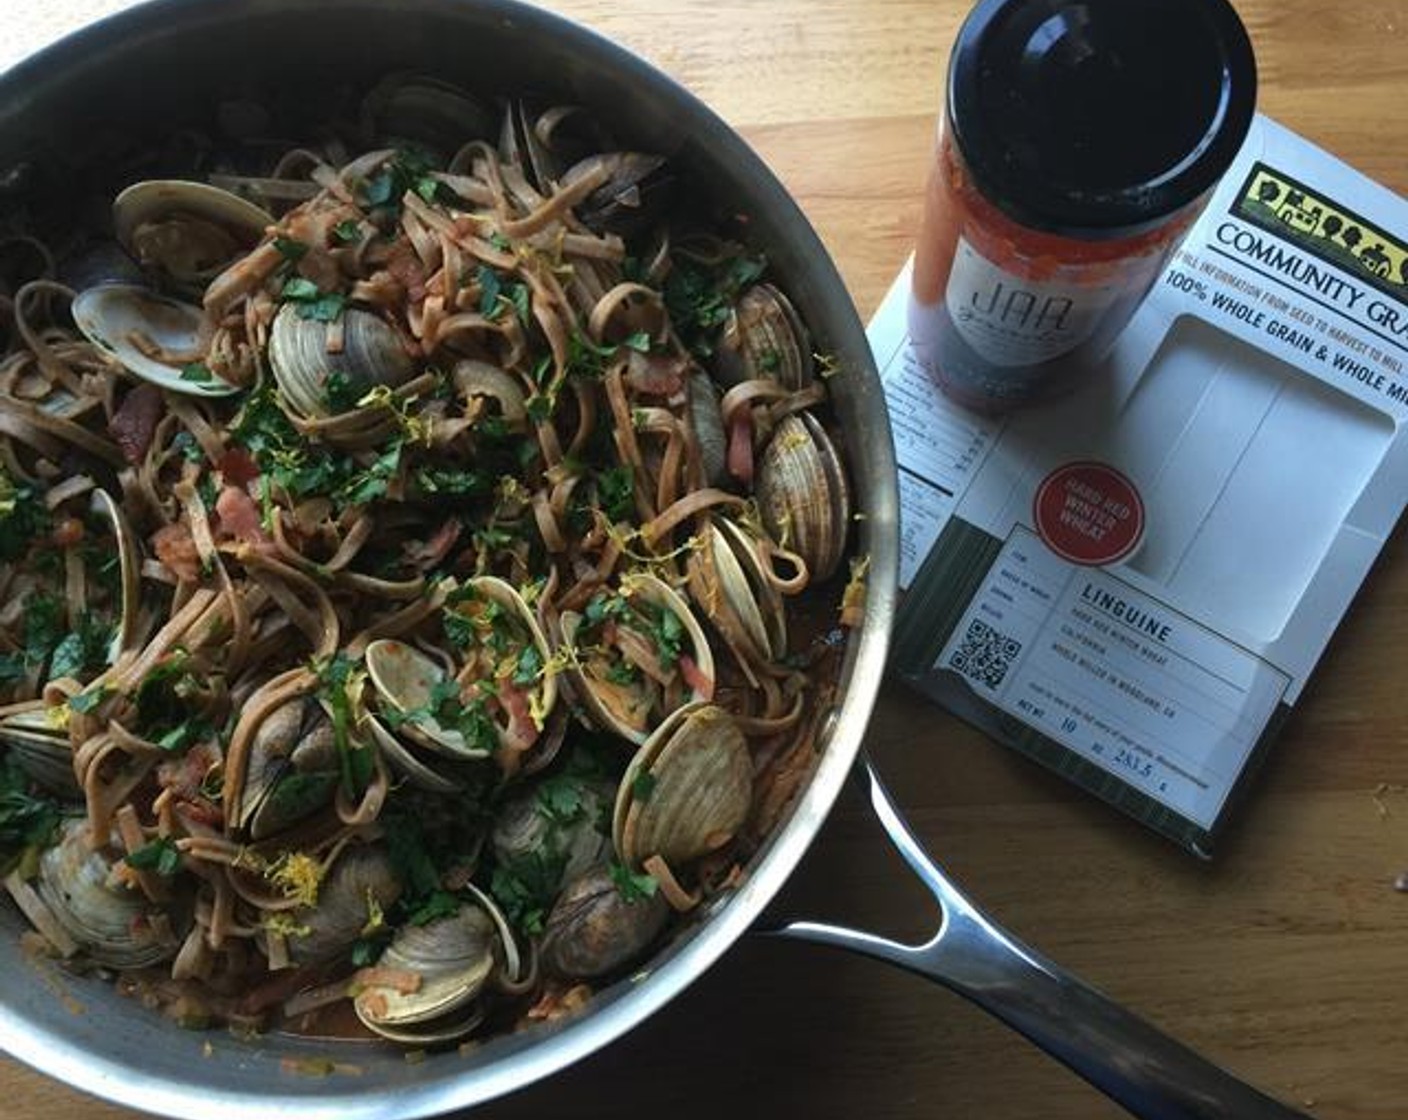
1133,584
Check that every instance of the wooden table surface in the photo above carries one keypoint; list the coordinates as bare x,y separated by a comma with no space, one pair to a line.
1285,960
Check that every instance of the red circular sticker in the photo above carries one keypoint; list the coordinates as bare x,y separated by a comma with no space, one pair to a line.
1088,513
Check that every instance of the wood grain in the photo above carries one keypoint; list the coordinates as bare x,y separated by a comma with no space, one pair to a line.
1283,960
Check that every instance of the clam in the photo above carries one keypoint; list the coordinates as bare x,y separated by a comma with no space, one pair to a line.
187,232
129,566
291,773
639,653
707,420
413,110
452,960
686,792
110,921
532,825
413,690
594,929
435,775
41,747
727,577
764,337
803,494
632,194
502,642
360,877
321,374
153,336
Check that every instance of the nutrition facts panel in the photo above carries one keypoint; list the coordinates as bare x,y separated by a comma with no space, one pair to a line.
938,445
1116,676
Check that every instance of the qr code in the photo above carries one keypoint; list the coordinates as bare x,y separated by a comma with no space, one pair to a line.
984,655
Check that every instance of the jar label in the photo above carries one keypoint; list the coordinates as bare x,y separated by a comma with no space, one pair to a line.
1014,321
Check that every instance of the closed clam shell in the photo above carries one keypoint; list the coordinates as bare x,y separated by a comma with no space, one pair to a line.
764,337
426,112
803,494
291,770
361,875
690,793
107,918
42,749
594,930
317,380
525,827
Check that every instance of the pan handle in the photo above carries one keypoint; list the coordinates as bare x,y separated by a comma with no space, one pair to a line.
1124,1057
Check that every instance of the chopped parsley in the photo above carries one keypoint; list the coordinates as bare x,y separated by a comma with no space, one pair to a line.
82,649
290,248
161,856
525,888
632,887
313,302
355,760
348,231
24,518
616,487
88,699
699,298
639,341
28,821
490,288
198,372
643,785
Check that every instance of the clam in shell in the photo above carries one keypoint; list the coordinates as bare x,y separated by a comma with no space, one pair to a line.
803,494
452,959
686,792
290,773
408,685
141,328
594,930
320,376
727,577
764,337
110,921
360,876
640,653
186,232
41,748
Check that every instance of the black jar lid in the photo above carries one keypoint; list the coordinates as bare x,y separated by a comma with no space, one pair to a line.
1099,118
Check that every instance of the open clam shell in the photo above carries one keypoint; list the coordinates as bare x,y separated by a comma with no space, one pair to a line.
132,322
510,649
686,792
803,494
726,576
433,776
106,918
405,681
320,378
453,959
621,685
187,231
129,562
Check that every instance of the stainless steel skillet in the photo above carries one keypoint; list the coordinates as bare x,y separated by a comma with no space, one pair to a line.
140,74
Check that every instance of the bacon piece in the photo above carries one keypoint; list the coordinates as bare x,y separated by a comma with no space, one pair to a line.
238,467
406,267
656,375
696,678
176,548
239,516
134,422
522,731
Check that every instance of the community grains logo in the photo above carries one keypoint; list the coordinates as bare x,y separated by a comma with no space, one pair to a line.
1276,202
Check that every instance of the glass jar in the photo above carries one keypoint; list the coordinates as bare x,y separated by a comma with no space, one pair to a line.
1079,141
